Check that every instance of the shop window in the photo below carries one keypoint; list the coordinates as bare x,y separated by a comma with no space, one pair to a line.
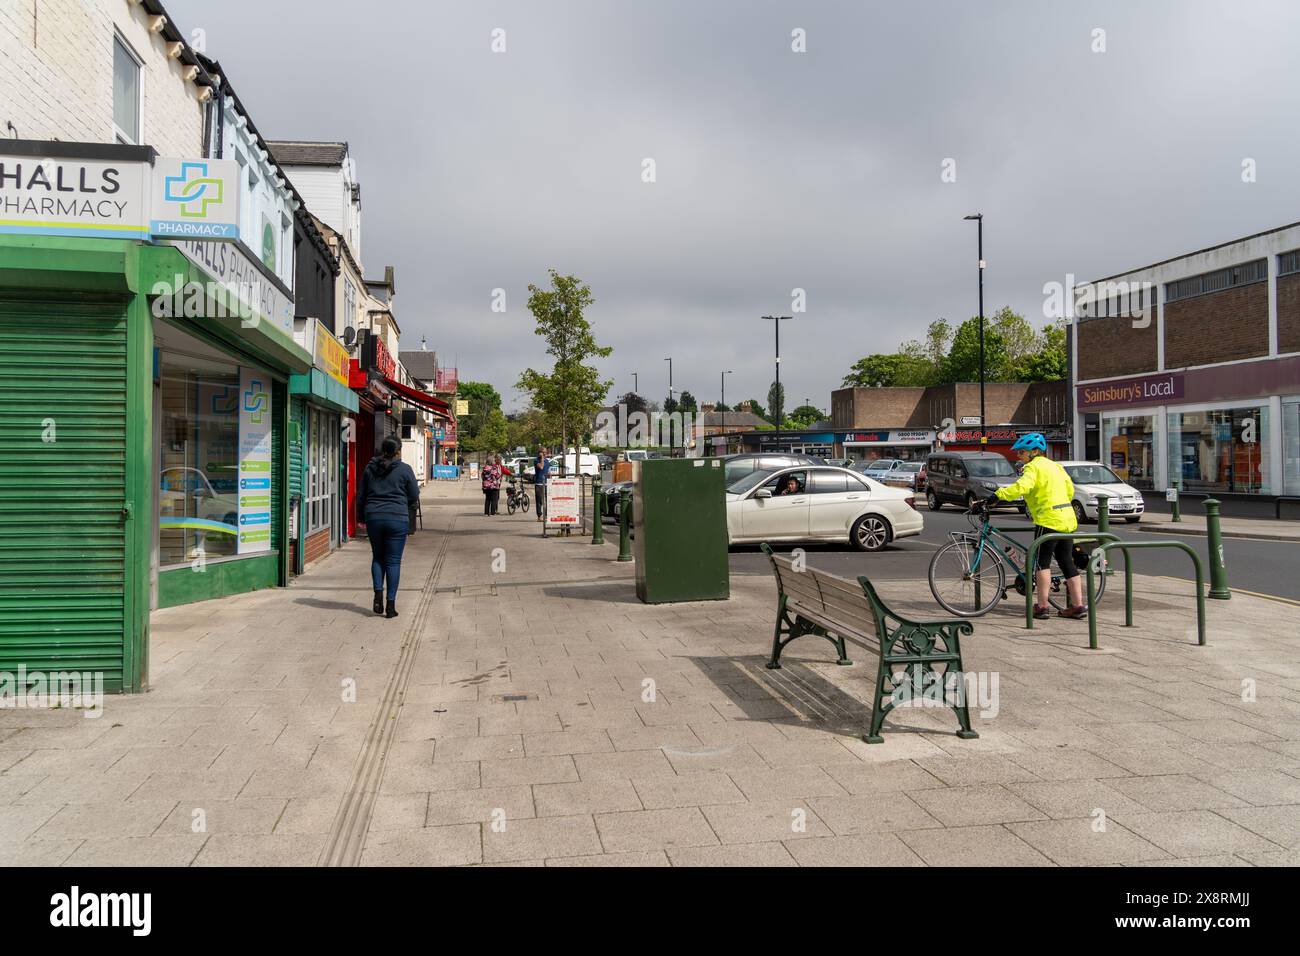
198,507
1220,450
1291,447
322,469
126,92
1128,445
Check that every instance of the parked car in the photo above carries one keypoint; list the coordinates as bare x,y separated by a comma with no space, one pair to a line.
735,468
840,462
963,477
906,474
876,468
829,504
1093,479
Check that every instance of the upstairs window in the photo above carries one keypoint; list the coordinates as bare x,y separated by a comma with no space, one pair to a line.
126,93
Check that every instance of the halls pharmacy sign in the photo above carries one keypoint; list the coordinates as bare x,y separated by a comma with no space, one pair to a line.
117,192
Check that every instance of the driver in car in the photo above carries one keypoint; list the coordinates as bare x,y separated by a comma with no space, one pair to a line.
790,486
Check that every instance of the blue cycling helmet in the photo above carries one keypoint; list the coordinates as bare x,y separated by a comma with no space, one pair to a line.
1034,441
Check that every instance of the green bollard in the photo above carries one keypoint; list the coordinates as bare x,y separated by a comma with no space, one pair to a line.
624,527
598,513
1174,507
1218,567
1103,514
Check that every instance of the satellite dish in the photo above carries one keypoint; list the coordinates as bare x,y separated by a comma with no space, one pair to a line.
349,335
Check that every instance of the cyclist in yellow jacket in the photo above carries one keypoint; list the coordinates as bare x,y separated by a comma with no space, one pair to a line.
1048,493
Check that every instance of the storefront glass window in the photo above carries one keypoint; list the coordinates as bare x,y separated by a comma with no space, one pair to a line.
323,468
1220,450
1291,447
198,508
1128,445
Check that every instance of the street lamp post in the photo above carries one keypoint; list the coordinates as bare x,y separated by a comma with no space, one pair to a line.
776,321
671,439
979,220
635,389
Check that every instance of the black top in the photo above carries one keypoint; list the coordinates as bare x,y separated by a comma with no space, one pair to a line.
388,490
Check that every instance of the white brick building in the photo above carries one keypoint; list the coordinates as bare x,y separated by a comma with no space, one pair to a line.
59,60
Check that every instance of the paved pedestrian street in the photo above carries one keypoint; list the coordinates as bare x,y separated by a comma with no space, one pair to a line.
527,709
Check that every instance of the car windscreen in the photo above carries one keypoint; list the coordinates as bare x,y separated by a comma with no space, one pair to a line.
1092,475
989,468
749,481
908,466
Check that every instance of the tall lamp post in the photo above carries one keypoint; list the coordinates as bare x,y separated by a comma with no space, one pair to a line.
776,321
635,389
979,219
671,440
723,400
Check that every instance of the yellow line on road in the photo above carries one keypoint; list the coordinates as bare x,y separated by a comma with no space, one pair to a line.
1259,594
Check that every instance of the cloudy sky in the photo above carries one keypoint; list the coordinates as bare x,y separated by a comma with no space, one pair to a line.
774,170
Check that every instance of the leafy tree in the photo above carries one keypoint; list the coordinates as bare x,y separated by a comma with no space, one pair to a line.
494,435
722,407
1018,336
687,403
633,403
573,392
893,370
483,399
670,405
776,400
963,362
1048,362
756,407
805,416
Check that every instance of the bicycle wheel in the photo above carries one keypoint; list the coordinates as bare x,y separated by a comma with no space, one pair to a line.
510,505
524,502
952,582
1059,597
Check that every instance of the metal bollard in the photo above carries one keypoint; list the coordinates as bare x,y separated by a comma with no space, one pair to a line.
1103,513
1218,567
597,513
624,527
1174,507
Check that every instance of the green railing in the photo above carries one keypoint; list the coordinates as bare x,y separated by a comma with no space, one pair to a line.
1094,565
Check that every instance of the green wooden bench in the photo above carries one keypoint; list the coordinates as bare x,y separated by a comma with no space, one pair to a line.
814,602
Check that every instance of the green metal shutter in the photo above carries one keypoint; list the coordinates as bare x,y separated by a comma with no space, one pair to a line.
297,439
279,449
63,412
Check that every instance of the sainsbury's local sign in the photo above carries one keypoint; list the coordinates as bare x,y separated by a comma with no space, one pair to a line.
119,192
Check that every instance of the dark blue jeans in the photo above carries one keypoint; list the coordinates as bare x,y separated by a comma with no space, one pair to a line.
387,541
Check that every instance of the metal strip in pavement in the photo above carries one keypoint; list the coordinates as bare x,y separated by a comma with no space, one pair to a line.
347,836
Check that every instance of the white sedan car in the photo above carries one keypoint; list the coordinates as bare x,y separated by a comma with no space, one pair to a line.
817,503
1092,479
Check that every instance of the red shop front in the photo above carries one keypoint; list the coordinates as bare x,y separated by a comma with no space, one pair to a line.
1002,437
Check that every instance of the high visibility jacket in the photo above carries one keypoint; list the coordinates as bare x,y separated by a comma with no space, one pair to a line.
1048,493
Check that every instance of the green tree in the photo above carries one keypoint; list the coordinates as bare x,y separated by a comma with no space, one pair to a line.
687,403
573,391
932,351
482,398
1018,336
1048,362
494,435
722,407
670,405
963,362
892,370
776,401
805,416
756,407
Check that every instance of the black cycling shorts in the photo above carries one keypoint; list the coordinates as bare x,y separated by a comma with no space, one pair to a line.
1062,550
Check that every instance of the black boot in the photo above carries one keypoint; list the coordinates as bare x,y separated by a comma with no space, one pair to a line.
392,609
379,601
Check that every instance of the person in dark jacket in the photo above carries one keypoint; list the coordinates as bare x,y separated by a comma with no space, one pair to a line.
388,493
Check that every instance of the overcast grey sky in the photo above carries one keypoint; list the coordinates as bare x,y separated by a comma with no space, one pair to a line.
775,169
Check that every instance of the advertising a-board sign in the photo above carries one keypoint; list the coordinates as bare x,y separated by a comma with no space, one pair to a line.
562,502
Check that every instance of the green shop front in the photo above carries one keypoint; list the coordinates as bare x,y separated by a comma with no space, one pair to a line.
143,416
320,408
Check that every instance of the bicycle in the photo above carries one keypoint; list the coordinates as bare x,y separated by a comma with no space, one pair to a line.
516,499
982,556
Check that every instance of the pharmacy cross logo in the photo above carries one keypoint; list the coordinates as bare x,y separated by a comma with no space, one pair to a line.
193,188
255,402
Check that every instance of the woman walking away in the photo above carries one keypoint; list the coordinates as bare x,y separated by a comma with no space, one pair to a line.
491,485
388,493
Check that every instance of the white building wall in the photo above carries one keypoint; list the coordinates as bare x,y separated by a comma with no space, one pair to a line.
327,191
56,75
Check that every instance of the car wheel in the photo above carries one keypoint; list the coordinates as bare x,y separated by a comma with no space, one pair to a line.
1079,513
932,501
870,533
970,501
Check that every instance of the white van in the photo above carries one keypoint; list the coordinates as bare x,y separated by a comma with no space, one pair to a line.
588,464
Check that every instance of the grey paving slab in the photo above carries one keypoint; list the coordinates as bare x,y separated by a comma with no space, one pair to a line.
742,854
598,795
695,789
972,846
1197,833
867,849
647,830
160,850
425,846
1079,842
972,806
773,820
541,838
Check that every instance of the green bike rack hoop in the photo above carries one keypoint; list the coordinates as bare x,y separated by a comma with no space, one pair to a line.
1031,556
1094,565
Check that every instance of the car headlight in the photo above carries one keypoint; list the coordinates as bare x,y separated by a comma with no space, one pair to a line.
1092,501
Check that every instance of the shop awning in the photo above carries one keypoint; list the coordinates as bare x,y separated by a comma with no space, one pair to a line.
417,397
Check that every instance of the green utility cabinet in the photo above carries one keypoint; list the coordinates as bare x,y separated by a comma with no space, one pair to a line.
679,515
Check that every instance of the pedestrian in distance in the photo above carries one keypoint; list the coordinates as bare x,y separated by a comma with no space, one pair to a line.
385,499
1048,493
541,465
491,480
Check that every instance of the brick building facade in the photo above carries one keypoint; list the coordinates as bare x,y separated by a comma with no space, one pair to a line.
1186,373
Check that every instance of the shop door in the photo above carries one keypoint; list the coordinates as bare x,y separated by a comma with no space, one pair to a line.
63,452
